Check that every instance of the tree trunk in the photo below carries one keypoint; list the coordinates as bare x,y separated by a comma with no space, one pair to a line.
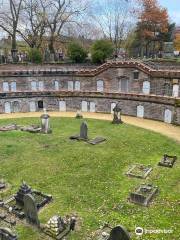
51,49
14,48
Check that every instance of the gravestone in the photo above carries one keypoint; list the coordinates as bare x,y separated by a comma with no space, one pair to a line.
45,123
167,161
84,131
139,171
23,190
7,234
117,115
143,194
30,210
119,233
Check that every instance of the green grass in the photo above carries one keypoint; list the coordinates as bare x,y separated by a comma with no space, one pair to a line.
90,180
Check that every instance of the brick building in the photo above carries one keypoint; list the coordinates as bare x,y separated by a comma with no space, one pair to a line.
145,90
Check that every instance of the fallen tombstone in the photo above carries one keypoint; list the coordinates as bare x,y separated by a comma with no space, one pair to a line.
97,140
58,227
167,161
139,171
143,195
9,127
31,129
7,234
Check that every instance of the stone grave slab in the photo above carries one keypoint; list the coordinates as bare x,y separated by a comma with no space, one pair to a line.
9,127
139,171
97,140
31,129
7,218
143,195
7,234
168,161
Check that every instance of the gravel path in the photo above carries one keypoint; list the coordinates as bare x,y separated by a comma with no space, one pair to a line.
160,127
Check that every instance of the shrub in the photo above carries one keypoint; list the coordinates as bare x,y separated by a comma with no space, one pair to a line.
101,50
35,55
76,53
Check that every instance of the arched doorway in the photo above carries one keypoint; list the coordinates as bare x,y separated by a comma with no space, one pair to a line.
140,111
7,107
168,116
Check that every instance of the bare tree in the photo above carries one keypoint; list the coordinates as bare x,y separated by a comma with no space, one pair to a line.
114,18
33,23
9,19
58,14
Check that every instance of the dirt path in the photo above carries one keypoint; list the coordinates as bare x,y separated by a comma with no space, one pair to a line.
160,127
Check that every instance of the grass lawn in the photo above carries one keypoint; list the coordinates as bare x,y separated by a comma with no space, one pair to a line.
90,180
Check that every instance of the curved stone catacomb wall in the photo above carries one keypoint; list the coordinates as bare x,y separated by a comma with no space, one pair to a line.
140,89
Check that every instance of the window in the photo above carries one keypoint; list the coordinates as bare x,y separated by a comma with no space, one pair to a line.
33,86
100,86
77,86
40,104
175,90
56,85
5,87
124,85
13,86
136,74
146,87
70,86
41,85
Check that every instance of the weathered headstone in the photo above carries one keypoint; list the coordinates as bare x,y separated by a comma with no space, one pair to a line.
84,131
30,210
2,185
119,233
7,234
139,171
